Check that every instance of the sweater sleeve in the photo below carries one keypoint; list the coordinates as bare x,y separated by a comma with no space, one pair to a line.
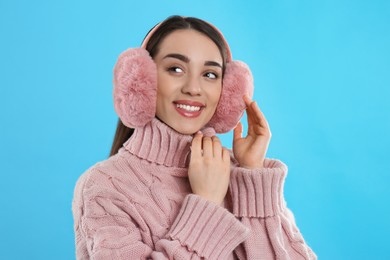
257,200
108,226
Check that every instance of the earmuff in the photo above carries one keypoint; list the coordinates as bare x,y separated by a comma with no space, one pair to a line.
135,89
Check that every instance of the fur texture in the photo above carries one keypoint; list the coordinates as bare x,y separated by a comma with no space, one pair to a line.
135,91
135,87
237,82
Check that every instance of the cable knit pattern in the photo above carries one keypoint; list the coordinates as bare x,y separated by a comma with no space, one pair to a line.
138,205
205,236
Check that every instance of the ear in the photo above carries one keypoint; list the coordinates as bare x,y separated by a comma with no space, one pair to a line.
237,82
135,87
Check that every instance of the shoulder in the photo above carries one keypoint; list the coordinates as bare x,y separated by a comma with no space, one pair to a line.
97,172
100,186
99,176
122,176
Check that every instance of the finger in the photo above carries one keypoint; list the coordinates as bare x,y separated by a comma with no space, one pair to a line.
196,145
249,110
260,118
217,147
225,155
237,133
207,146
251,122
257,115
250,118
247,100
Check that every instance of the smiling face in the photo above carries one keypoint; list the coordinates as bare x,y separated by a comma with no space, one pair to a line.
189,78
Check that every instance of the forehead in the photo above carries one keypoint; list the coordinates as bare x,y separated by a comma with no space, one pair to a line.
190,43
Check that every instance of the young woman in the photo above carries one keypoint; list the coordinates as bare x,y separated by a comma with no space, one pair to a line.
170,190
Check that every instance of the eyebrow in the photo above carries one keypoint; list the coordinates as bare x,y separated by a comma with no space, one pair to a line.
187,60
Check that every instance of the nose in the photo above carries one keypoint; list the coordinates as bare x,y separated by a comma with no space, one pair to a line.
192,86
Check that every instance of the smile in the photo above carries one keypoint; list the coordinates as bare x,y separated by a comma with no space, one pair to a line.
189,109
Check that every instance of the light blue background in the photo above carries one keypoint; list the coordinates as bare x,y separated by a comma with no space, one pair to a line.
322,79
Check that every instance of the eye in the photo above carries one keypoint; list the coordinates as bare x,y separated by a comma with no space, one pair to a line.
211,75
175,69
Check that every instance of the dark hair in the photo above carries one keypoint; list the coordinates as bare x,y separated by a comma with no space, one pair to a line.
171,24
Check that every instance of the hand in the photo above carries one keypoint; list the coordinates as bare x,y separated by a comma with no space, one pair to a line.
250,151
209,169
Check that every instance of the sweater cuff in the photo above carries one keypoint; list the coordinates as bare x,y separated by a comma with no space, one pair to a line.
207,229
258,192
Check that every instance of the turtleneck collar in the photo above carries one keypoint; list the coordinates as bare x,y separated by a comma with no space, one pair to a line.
158,143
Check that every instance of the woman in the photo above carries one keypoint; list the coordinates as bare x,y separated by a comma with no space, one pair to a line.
170,190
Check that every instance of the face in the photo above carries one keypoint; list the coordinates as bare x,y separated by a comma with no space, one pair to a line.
189,76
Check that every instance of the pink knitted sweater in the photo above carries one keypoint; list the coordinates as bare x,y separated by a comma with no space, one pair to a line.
138,205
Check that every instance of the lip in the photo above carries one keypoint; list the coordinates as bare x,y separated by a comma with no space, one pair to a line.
189,103
188,114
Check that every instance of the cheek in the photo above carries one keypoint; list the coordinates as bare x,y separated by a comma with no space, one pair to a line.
167,89
215,95
162,86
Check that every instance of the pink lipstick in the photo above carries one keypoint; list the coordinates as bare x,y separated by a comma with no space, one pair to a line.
188,108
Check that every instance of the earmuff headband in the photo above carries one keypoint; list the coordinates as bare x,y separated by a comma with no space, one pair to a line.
153,30
135,88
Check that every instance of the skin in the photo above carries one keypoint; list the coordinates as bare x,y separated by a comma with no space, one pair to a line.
197,78
187,70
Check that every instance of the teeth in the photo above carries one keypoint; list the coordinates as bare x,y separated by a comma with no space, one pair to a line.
188,108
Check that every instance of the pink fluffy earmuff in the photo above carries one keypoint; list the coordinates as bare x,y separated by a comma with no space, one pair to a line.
135,89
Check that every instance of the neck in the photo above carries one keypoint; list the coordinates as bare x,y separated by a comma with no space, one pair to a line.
158,143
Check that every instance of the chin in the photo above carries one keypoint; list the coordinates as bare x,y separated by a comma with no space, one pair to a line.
184,126
186,130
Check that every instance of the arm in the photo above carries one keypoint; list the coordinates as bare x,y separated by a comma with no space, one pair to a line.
109,226
257,200
256,189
